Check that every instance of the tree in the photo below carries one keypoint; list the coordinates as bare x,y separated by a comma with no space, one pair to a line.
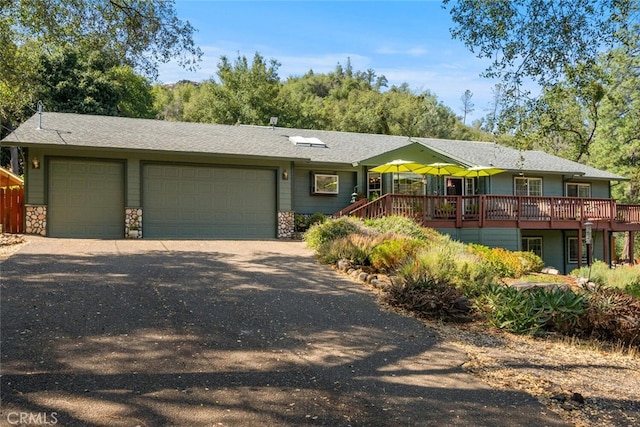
616,146
554,44
567,116
540,39
247,93
467,105
141,34
169,100
92,83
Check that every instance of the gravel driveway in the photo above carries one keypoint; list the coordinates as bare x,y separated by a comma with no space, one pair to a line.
221,333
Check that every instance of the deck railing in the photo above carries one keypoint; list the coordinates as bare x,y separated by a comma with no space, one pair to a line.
486,210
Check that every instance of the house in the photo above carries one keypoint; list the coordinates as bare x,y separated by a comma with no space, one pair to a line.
113,177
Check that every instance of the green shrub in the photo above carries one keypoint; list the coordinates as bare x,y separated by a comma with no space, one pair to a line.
504,262
331,229
473,275
532,311
397,224
394,251
430,264
531,263
302,222
427,298
507,308
353,247
559,310
633,289
626,278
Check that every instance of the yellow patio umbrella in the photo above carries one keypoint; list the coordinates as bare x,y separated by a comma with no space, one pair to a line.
397,166
478,171
439,169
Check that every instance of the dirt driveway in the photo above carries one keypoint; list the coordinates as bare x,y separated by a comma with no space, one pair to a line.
221,333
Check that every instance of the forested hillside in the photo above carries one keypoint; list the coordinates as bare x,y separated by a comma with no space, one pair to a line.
251,92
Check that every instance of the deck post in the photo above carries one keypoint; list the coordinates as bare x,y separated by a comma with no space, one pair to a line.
580,246
605,247
632,260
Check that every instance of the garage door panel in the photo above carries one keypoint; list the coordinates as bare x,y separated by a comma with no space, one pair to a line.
86,198
208,202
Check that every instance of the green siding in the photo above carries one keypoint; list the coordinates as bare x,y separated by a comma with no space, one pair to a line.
285,202
35,179
85,198
304,202
600,189
208,202
552,247
508,238
134,196
501,183
552,186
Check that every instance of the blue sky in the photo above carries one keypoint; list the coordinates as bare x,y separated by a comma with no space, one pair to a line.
407,41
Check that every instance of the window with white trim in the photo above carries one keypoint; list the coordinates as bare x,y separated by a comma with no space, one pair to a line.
572,244
528,186
576,189
325,184
532,244
374,185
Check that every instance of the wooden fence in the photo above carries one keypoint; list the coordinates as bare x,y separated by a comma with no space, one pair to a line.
12,209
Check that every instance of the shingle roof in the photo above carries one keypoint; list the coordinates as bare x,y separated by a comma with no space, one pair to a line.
491,154
64,129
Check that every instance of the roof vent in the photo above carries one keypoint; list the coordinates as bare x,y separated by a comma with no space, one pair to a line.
301,141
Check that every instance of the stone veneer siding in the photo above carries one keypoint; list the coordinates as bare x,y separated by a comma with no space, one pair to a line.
133,223
36,219
286,224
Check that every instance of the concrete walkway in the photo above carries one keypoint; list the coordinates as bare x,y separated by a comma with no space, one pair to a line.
222,333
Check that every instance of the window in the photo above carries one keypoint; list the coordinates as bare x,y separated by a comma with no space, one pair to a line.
532,244
471,186
528,186
410,183
578,190
572,243
325,184
374,188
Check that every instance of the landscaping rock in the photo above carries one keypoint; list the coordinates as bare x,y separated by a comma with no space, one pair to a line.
343,265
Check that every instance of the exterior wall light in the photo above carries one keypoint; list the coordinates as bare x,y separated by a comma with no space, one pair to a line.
35,163
285,175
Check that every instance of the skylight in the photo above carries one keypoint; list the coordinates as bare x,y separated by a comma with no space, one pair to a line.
301,141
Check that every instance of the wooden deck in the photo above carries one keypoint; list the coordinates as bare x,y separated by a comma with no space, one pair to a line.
525,212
